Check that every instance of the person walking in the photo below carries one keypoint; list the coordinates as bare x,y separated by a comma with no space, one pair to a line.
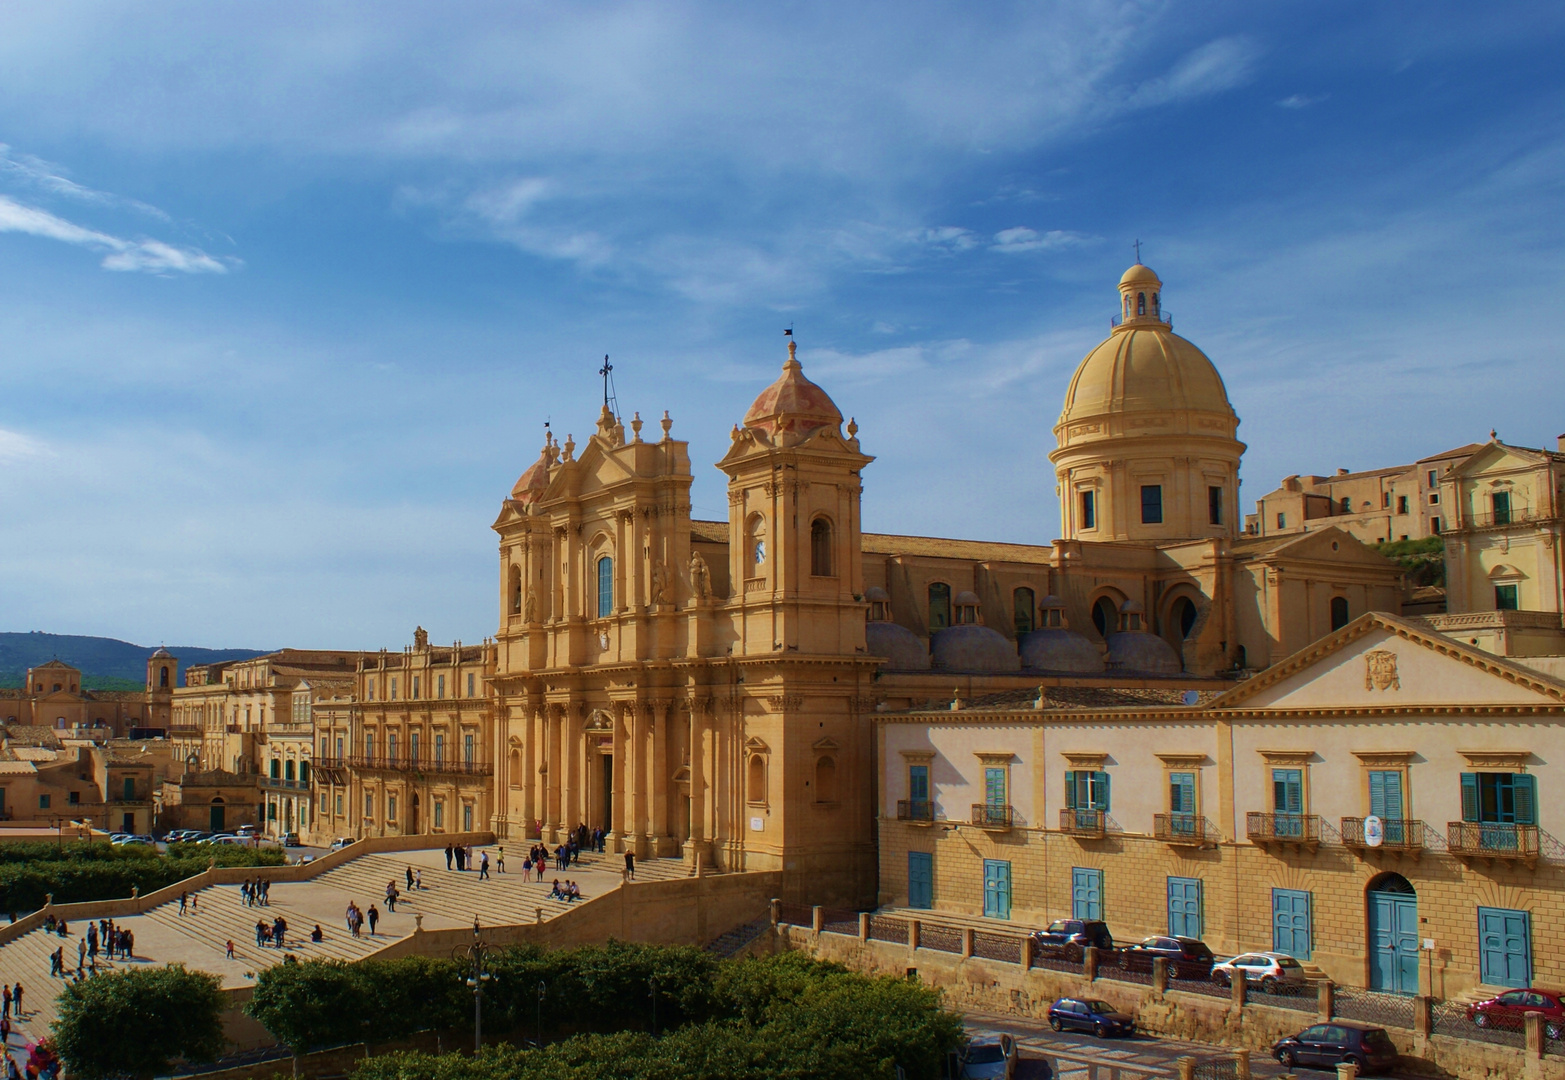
229,953
483,866
374,914
391,896
630,865
410,878
195,900
449,852
16,1000
499,862
5,1002
418,878
260,934
81,954
184,898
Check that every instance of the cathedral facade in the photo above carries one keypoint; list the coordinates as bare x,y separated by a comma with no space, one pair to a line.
708,689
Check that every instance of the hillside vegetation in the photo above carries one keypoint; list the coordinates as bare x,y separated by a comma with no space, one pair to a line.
105,663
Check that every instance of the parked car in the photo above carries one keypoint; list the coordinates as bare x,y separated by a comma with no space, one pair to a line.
341,842
131,838
192,836
1274,971
227,838
248,831
1365,1045
1086,1014
989,1057
1509,1010
1073,936
291,839
1186,956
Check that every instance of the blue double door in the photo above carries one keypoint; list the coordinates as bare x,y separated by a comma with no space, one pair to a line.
1393,942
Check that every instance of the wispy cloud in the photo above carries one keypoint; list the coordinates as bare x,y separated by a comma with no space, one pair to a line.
151,256
1021,238
51,178
1301,101
16,447
1216,66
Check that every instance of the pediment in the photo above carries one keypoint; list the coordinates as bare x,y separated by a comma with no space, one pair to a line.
827,743
1498,457
1382,661
1330,544
756,746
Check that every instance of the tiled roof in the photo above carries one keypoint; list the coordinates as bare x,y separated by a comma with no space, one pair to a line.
1108,697
30,735
1461,451
716,532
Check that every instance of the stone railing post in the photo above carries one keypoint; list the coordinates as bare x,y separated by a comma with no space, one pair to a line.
1325,999
1346,1070
863,926
967,942
1027,952
1242,1064
817,918
1423,1020
1089,963
1160,975
776,912
1237,988
1532,1025
914,932
1186,1067
418,923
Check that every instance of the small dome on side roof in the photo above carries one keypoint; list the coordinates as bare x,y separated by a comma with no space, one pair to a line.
875,592
972,647
532,483
902,648
1139,651
1057,649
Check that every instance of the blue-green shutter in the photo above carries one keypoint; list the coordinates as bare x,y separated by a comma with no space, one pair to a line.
1070,791
1181,793
1524,792
1102,801
1385,794
1469,796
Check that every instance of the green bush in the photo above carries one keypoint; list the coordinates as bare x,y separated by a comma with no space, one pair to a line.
1423,560
82,871
137,1022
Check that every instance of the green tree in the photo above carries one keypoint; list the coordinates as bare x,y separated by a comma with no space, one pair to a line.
311,1005
136,1023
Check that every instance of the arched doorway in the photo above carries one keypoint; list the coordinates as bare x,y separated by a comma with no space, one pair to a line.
216,819
1393,934
413,813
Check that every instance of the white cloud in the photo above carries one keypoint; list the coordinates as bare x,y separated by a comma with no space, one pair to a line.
1218,65
153,256
1021,238
16,447
1301,101
50,177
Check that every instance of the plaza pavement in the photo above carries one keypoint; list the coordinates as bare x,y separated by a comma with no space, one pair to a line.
198,939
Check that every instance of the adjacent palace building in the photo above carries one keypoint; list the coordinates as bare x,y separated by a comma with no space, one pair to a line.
1164,718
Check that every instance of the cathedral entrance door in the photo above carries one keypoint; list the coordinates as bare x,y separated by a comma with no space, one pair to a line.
608,791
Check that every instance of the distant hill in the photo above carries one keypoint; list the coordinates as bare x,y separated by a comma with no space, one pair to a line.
105,663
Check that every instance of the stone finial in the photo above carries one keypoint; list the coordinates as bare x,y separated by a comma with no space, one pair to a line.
853,427
635,426
667,422
570,448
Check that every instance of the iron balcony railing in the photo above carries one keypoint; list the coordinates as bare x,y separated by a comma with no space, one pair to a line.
991,816
1181,829
915,810
1083,822
1164,316
1492,840
280,783
1265,828
1518,516
1396,834
407,764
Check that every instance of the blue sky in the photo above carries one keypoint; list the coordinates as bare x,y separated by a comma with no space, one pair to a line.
288,291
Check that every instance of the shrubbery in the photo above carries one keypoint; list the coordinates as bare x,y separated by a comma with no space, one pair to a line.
82,870
787,1016
137,1022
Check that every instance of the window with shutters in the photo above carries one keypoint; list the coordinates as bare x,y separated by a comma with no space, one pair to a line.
1507,597
1288,801
1087,795
1387,803
1501,502
1182,817
1492,798
605,587
1089,510
995,787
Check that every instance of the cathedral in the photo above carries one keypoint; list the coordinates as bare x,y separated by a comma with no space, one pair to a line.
708,688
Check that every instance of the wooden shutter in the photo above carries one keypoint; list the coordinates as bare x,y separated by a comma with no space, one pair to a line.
1070,791
1524,792
1101,792
1469,796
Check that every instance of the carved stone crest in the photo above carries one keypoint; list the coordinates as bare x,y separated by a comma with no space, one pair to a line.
1380,671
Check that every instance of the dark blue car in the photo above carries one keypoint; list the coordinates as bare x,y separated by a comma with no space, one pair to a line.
1084,1014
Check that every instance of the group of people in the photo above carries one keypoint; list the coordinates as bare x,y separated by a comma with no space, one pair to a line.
11,999
459,856
102,936
357,918
567,892
257,893
51,925
270,935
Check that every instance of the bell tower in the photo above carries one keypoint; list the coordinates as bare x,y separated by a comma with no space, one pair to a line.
162,677
793,517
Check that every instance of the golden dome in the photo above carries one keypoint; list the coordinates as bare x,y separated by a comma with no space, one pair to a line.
1139,275
793,406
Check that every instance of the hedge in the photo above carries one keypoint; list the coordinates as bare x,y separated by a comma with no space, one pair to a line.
82,870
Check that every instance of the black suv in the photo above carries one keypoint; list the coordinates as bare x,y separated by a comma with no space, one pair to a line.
1071,937
1365,1045
1187,957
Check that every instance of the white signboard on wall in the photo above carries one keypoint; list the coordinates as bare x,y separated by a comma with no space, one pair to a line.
757,824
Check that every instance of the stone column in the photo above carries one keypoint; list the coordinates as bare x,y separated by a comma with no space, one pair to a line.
698,728
571,758
553,721
619,818
640,713
662,717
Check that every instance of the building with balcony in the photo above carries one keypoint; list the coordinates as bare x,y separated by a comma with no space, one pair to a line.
414,751
1380,805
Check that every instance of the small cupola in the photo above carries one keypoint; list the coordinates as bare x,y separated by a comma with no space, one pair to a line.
1051,613
1140,297
967,613
879,604
1132,616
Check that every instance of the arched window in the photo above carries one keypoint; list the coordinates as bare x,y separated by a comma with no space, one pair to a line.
1023,605
1347,504
756,789
820,547
939,605
516,769
825,780
1141,303
1183,616
755,546
163,675
605,587
1339,612
1105,615
1157,303
516,590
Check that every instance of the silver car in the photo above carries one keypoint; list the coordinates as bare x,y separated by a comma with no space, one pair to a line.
1274,971
990,1057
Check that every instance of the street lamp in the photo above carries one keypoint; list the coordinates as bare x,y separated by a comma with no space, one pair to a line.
476,952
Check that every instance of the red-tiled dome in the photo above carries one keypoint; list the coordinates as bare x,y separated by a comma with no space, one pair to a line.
792,406
533,482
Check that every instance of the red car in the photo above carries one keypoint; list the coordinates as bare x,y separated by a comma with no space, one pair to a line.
1509,1009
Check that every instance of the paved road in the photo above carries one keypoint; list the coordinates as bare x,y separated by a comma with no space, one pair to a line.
1067,1056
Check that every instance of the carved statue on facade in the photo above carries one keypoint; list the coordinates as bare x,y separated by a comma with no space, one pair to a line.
420,638
530,610
659,582
700,578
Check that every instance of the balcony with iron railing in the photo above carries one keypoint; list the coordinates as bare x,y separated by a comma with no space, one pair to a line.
1301,830
407,764
1183,830
1396,834
1086,824
918,811
1491,840
993,816
1503,519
